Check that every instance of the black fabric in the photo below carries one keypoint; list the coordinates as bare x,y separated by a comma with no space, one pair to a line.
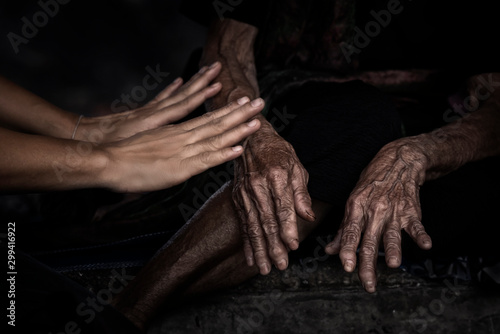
458,36
47,302
447,34
252,12
336,130
459,211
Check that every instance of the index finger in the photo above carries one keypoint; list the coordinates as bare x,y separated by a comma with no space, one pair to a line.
285,210
351,235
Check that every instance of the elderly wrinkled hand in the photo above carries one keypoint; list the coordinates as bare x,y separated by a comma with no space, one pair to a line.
384,202
270,190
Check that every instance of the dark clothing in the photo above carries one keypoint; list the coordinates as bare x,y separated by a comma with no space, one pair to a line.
448,35
48,302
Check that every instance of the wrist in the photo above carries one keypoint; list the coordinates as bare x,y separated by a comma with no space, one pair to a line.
412,151
100,168
230,36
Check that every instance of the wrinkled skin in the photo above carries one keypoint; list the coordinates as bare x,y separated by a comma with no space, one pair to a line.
384,202
270,190
271,183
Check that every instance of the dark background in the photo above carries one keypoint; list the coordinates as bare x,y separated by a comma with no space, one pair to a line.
91,52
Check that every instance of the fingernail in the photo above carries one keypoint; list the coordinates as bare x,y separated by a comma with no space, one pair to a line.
311,215
203,69
369,286
257,102
264,269
177,80
393,261
241,101
217,84
252,123
282,264
237,148
250,261
349,265
294,244
214,65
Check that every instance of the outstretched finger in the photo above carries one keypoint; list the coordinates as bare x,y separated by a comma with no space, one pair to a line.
199,81
302,199
181,109
333,247
248,214
417,232
256,235
247,246
195,164
225,139
167,91
226,122
212,115
283,196
276,251
368,253
392,244
351,235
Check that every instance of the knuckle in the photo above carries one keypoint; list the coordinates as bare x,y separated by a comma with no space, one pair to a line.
215,142
392,235
368,249
356,200
378,207
217,123
209,116
254,232
260,255
285,213
349,237
391,247
276,252
366,272
204,158
416,228
270,229
277,175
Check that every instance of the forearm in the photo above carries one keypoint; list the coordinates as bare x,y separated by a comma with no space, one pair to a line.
474,137
22,110
32,162
231,42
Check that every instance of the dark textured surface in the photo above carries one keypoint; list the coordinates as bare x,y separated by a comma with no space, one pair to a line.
319,297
